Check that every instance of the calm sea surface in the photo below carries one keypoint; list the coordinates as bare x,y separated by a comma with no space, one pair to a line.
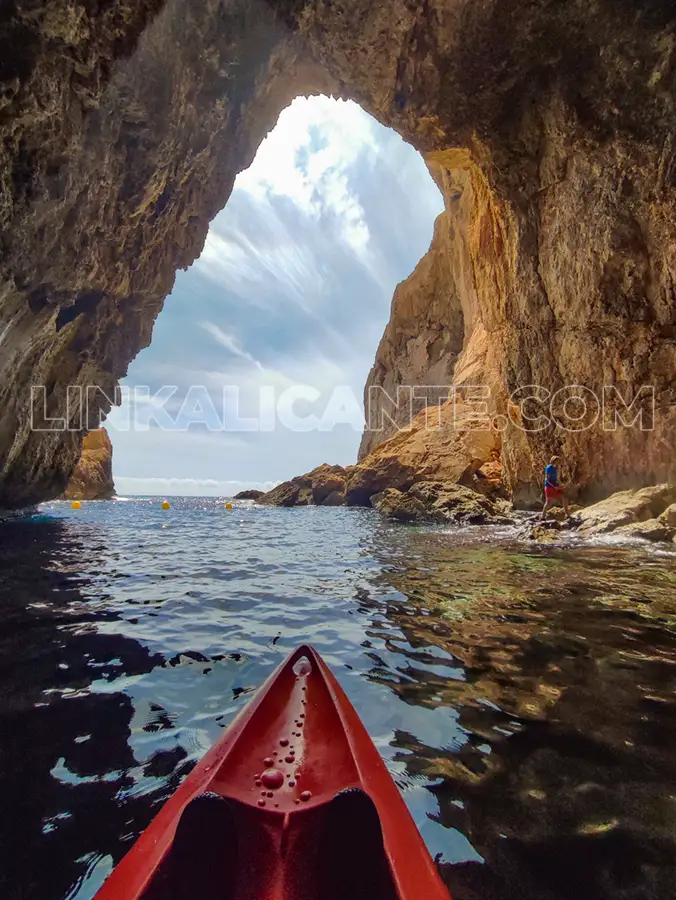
523,698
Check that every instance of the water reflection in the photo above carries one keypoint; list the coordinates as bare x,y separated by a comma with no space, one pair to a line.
65,758
523,701
560,674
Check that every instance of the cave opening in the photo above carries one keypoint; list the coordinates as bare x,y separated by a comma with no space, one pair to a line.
258,361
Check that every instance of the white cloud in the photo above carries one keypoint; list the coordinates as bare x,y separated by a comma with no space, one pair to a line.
293,288
186,487
229,342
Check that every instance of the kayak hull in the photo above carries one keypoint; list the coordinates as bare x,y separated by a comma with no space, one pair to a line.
297,745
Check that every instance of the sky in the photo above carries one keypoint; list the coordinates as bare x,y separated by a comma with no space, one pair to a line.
258,360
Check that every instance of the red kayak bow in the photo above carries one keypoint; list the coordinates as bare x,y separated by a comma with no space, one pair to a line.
293,803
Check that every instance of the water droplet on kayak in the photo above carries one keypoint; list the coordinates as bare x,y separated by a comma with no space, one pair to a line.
305,796
270,794
302,667
296,802
304,688
284,742
258,782
289,759
302,715
276,805
268,761
292,784
272,779
261,802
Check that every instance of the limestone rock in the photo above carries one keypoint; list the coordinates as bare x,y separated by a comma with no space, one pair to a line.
455,503
651,530
327,480
285,494
337,498
430,501
323,486
251,494
93,475
544,532
399,505
441,445
626,508
548,126
419,348
668,517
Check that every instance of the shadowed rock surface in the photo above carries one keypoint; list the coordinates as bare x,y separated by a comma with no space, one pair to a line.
548,126
251,494
93,475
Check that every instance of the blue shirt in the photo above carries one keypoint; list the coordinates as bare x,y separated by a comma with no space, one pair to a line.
551,476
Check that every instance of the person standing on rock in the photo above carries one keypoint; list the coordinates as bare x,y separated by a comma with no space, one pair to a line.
553,490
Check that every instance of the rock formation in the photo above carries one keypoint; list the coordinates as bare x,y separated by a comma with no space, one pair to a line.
323,486
92,478
549,127
429,501
648,512
251,494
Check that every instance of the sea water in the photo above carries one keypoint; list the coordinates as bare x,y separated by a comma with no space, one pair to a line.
522,697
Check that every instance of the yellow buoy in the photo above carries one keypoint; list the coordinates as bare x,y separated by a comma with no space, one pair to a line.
166,504
75,504
228,505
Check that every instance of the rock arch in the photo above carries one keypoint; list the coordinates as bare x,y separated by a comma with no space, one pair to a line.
549,126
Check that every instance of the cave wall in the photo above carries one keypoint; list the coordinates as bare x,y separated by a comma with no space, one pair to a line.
122,128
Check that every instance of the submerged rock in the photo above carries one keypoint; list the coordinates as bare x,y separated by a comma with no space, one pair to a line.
93,475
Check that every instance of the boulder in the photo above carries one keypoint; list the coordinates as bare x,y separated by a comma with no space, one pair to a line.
546,531
432,501
669,516
399,505
456,503
652,530
93,475
249,495
626,508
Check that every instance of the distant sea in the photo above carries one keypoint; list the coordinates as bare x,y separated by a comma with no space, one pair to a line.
524,698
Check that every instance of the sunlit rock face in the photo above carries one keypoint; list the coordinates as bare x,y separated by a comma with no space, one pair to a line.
548,125
92,478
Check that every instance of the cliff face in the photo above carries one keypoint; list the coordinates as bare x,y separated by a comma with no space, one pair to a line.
548,125
92,478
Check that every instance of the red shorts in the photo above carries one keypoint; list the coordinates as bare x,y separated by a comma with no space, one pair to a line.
553,493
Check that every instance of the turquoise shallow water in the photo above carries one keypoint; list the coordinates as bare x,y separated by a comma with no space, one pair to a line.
523,699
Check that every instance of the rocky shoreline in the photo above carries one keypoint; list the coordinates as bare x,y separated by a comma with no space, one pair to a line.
648,513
